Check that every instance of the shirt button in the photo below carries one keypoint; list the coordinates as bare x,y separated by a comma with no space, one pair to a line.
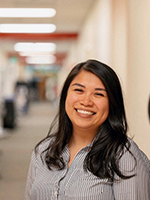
55,193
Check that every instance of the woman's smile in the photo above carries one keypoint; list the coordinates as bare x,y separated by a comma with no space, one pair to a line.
85,112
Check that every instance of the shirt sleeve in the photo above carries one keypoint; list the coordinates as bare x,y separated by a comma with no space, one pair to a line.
31,176
137,187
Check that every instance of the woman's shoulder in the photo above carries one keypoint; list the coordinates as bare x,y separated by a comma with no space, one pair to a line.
135,155
134,148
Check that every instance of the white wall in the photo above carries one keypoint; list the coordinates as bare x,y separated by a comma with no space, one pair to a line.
95,36
139,71
119,40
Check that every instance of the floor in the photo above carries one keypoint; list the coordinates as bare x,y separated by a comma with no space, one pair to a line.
16,146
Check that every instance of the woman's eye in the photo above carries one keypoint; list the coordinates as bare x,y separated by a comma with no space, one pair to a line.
78,90
99,94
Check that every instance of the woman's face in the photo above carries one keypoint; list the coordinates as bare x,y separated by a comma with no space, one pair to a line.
87,103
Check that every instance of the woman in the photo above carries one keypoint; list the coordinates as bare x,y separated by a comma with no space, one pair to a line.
87,154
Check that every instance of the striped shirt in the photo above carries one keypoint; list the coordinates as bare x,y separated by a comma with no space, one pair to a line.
74,183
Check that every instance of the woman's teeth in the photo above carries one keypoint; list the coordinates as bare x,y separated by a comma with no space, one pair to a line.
85,112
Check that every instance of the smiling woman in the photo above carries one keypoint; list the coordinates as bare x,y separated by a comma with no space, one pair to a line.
87,154
86,104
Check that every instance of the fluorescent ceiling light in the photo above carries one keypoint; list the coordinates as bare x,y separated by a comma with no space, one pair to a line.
27,12
41,59
35,47
27,28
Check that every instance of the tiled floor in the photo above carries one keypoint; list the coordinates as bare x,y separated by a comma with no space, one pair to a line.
16,148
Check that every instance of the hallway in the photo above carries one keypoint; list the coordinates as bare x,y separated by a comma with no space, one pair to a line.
16,148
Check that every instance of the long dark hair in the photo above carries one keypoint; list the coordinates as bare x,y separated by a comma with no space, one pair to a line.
111,140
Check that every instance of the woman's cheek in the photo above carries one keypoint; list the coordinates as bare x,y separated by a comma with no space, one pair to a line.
72,98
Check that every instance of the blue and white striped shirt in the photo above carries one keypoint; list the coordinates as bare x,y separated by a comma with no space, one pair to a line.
74,183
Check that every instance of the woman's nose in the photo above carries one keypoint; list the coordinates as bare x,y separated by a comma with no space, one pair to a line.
86,100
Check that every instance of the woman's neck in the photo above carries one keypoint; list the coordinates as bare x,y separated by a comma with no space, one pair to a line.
81,139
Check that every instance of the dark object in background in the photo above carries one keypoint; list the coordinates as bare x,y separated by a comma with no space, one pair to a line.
9,114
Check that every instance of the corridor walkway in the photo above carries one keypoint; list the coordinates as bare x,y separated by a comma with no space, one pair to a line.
16,148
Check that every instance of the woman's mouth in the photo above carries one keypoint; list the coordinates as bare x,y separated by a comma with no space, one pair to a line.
85,112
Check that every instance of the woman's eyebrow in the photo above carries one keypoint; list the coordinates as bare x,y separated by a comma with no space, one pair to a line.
78,84
100,89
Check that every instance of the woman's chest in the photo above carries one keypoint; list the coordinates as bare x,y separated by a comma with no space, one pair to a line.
70,183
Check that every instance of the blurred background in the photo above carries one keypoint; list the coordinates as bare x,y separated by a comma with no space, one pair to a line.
39,47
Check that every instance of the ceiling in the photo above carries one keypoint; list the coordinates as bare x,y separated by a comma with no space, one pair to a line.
70,15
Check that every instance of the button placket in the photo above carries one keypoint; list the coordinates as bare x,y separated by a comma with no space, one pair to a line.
55,191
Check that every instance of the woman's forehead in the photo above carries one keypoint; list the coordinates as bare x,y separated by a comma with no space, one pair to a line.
86,77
